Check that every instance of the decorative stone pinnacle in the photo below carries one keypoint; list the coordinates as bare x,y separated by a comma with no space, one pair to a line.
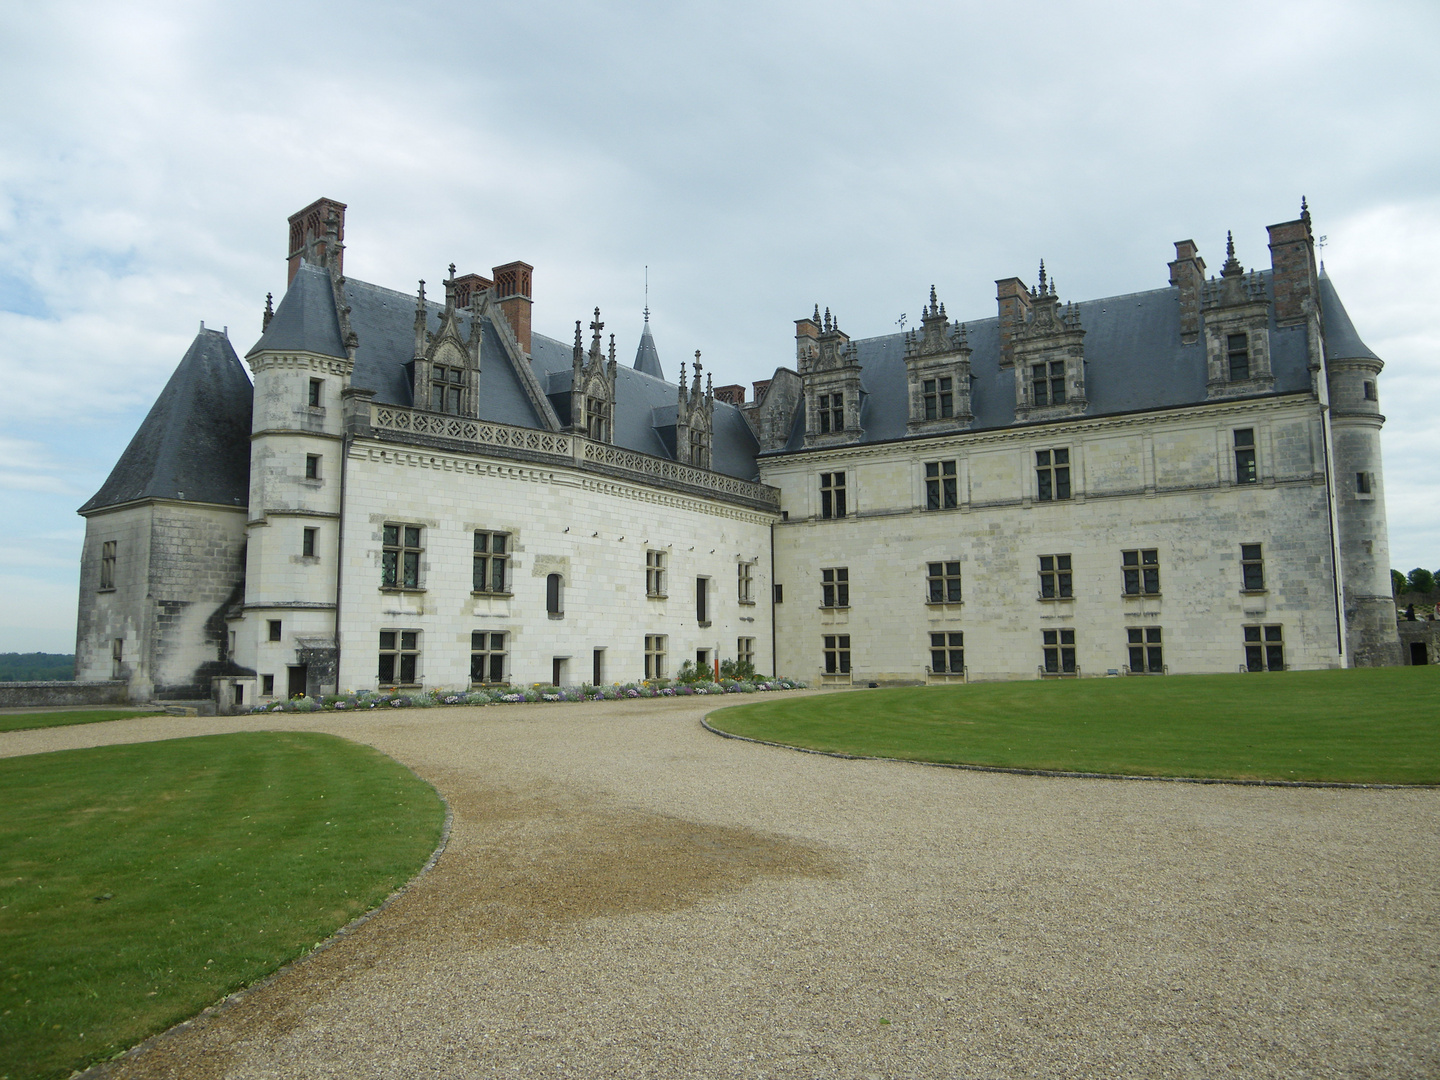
421,297
452,270
817,315
1042,277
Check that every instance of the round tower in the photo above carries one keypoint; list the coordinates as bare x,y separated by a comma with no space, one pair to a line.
1352,375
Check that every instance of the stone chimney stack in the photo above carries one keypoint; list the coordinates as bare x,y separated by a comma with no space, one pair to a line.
512,292
468,288
1014,300
308,238
1187,273
1292,260
807,332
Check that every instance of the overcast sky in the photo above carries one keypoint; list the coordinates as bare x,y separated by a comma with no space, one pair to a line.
758,157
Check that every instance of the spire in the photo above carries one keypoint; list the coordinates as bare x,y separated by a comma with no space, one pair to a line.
1232,267
578,357
647,296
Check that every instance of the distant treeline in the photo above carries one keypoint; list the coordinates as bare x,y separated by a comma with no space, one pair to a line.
37,667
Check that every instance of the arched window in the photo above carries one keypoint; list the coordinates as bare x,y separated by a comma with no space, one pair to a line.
554,596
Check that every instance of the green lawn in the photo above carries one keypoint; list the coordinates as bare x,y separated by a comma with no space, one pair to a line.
24,721
1359,726
140,883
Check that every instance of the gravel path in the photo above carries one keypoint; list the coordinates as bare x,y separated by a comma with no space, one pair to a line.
627,895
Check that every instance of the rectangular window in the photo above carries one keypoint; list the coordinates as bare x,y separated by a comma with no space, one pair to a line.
1370,394
1047,383
837,654
267,685
1052,474
492,553
777,592
1056,582
1245,456
1059,647
555,597
274,629
702,601
1264,648
487,657
1146,655
745,583
1362,483
942,583
117,658
832,494
312,466
400,558
654,656
939,398
832,413
835,587
745,651
399,657
1252,568
597,419
307,542
947,653
316,389
107,564
1237,351
446,384
655,574
940,486
1141,571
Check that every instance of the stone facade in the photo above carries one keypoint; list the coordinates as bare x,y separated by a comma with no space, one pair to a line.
1184,480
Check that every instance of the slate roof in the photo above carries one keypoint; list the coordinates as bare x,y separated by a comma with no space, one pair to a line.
195,442
305,321
1134,361
1341,340
646,358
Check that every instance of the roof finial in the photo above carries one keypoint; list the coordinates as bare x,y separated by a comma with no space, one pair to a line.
420,300
1229,244
647,292
817,315
269,311
452,270
1042,277
827,319
933,308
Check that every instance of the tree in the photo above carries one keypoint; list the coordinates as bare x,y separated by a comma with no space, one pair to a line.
1398,582
1421,580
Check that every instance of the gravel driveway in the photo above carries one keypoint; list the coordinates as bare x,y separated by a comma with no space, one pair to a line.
627,895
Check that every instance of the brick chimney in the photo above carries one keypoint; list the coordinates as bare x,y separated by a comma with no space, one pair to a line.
469,286
1187,273
734,393
760,388
1292,260
1014,301
308,235
512,292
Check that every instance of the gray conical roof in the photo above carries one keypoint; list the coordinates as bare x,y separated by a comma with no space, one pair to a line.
646,358
195,442
1341,340
306,320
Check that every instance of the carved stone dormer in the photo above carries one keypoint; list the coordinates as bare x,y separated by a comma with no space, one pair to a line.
694,420
447,362
1049,350
830,368
1237,331
592,386
937,366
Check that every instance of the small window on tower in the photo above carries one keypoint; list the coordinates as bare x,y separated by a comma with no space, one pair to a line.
312,466
1370,394
316,390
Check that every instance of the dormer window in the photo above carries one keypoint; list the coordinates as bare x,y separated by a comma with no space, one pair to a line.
699,448
939,397
446,386
1237,349
1047,382
597,416
832,413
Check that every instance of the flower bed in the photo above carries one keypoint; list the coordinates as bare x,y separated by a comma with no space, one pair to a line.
364,700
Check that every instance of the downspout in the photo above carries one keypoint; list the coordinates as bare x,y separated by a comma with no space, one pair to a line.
774,656
345,441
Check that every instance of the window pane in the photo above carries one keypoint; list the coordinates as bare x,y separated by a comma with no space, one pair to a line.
387,668
392,534
407,667
412,536
1062,562
407,639
412,569
387,639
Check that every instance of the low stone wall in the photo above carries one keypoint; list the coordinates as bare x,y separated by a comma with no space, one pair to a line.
50,695
1419,641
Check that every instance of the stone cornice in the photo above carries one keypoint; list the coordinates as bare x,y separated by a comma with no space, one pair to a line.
330,365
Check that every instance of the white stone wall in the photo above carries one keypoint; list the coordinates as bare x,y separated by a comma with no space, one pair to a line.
1163,481
593,531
